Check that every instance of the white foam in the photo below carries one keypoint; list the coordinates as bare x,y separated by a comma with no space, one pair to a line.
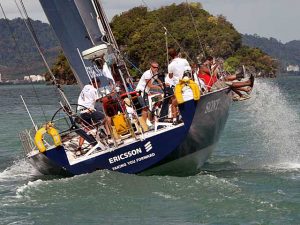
21,191
166,196
20,170
276,124
284,166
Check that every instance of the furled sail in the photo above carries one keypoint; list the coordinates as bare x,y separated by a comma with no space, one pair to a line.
75,25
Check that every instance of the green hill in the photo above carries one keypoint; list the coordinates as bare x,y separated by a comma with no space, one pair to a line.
141,34
288,53
20,57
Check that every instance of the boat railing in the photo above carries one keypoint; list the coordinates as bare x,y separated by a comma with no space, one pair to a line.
27,140
27,136
67,131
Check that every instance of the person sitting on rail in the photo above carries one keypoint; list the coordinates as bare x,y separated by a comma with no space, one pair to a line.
222,79
239,86
198,81
208,72
239,82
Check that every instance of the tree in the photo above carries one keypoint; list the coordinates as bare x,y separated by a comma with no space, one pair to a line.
253,58
141,33
62,71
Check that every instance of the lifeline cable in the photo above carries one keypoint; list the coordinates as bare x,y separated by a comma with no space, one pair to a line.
22,56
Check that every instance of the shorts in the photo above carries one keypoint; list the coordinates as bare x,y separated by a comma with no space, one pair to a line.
219,85
168,92
143,101
92,118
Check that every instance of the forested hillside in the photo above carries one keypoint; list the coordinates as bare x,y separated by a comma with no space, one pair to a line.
141,33
288,53
141,36
17,60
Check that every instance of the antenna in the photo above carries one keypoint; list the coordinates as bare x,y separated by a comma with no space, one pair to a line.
167,45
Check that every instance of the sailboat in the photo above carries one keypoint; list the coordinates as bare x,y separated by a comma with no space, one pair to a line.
83,30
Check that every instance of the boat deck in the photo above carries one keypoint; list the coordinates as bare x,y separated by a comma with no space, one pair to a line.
102,147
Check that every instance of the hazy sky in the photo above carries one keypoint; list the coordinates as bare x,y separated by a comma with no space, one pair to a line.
267,18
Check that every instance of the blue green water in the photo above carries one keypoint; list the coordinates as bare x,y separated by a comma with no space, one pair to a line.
253,177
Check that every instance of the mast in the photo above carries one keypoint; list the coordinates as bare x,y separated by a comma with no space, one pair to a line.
105,23
121,66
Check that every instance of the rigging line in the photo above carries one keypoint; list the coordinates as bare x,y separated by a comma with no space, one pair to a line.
61,92
22,56
167,32
32,32
29,23
114,41
104,20
132,64
197,32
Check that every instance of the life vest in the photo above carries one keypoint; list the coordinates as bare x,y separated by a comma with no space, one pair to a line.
49,129
191,84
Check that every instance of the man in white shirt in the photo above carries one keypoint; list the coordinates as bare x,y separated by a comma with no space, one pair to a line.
86,106
146,81
144,85
88,96
176,70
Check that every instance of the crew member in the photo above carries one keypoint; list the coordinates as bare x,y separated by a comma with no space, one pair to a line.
176,70
86,106
143,87
208,73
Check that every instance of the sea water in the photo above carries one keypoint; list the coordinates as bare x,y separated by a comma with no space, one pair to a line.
253,177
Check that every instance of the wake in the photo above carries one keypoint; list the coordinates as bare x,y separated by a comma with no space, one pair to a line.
20,170
276,127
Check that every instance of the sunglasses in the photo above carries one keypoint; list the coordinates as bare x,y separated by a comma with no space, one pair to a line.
155,67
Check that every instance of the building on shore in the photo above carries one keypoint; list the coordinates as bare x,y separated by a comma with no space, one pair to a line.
292,68
34,78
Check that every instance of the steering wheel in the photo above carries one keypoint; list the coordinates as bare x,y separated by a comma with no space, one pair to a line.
69,113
